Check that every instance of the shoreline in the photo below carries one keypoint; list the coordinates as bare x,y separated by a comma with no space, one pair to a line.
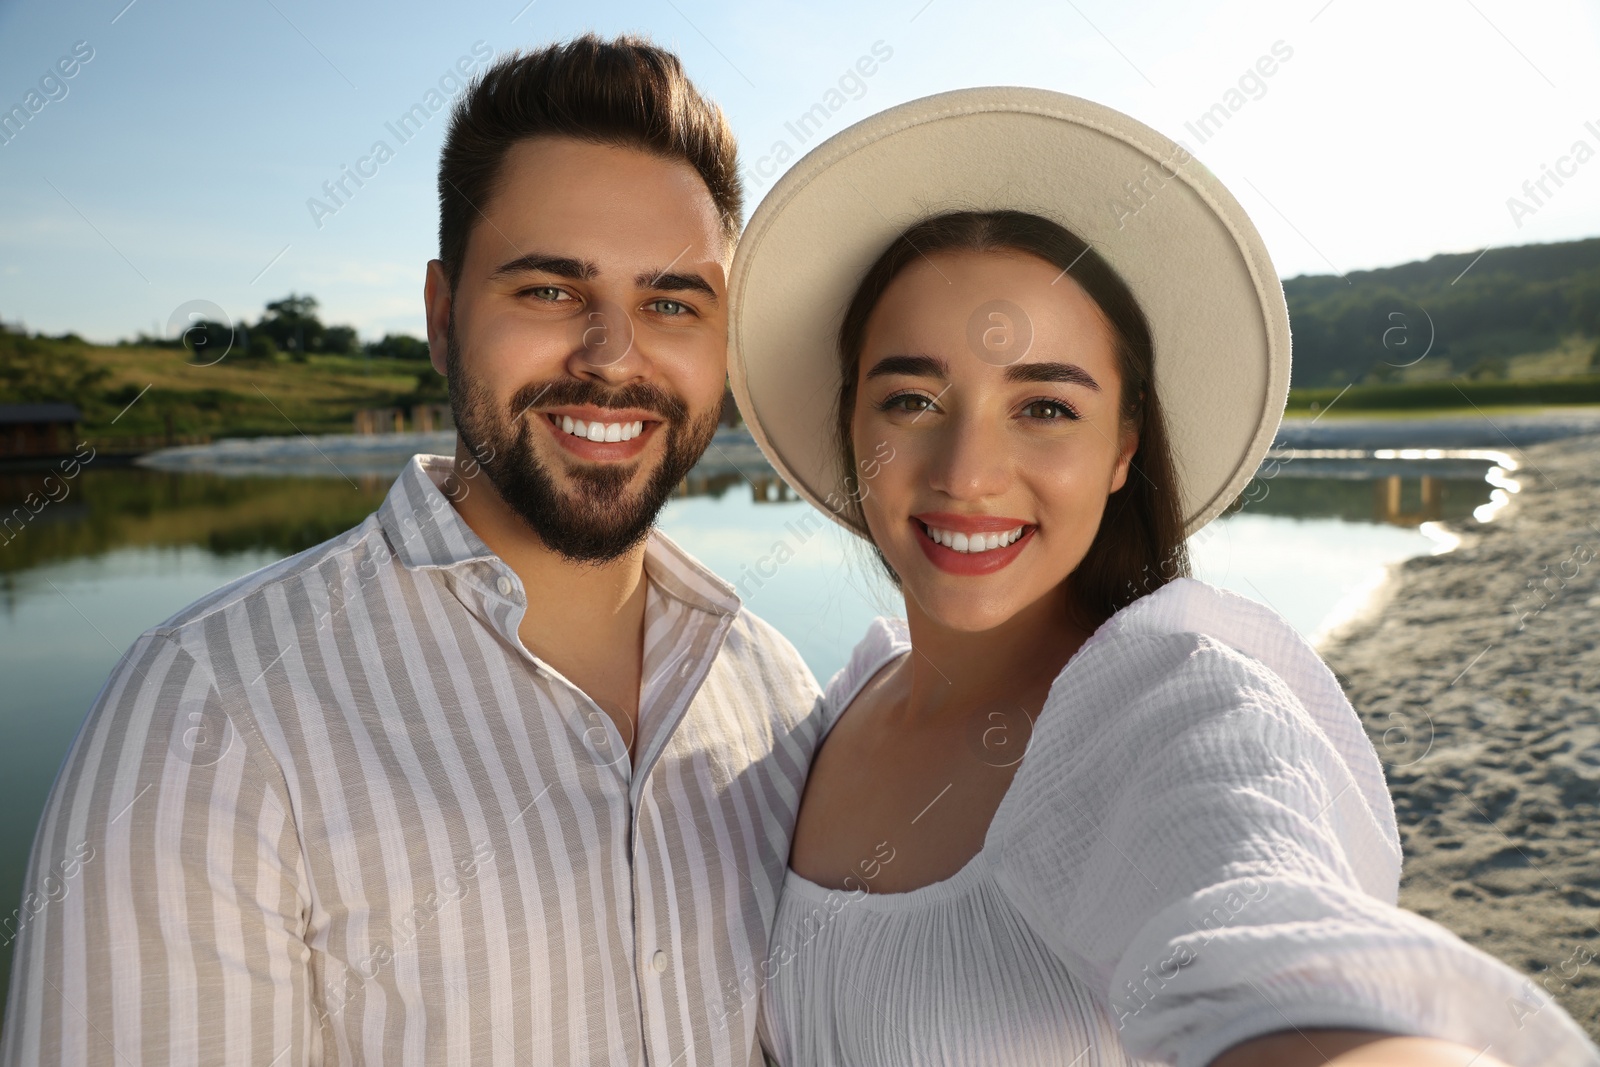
1476,674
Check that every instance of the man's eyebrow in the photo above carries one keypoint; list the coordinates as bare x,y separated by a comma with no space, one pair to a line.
560,266
675,282
913,365
1069,373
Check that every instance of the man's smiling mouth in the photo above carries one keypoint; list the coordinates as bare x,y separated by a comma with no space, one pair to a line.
597,431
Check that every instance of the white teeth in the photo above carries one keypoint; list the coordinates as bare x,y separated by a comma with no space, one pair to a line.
960,542
599,431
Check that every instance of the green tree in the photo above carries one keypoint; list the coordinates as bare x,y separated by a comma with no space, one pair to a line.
398,346
261,346
293,325
208,341
340,339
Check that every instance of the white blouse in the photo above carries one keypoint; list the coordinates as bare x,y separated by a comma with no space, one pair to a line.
1198,848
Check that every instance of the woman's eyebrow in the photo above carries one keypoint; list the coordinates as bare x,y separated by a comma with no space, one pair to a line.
913,366
1069,373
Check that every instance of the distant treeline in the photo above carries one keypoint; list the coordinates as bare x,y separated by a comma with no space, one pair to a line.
289,327
1458,316
1418,396
1369,324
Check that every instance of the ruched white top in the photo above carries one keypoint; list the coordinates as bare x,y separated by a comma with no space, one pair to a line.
1198,848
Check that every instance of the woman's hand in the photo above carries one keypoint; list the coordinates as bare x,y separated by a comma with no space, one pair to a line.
1350,1048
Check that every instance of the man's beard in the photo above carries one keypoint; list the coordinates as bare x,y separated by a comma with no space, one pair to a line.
599,520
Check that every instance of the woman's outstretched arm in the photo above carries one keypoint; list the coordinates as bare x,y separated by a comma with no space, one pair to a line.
1190,840
1350,1048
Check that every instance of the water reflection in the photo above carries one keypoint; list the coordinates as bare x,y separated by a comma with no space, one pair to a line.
765,486
1387,496
109,508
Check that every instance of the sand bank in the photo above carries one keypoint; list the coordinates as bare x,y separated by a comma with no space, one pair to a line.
1478,676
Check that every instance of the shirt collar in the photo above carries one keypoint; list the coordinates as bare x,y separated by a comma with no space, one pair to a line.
425,530
423,526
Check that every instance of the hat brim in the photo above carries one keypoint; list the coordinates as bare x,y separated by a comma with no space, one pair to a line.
1183,245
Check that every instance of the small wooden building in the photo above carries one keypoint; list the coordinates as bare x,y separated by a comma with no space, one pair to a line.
38,429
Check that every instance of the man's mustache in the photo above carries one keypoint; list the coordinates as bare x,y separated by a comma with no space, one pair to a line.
562,391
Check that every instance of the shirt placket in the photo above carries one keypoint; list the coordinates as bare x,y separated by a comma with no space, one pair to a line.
654,962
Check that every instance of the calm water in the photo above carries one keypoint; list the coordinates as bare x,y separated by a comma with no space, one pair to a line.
128,548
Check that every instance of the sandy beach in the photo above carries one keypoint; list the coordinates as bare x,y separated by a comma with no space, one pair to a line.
1477,673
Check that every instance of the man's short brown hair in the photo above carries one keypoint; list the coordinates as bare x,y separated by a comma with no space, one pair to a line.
625,92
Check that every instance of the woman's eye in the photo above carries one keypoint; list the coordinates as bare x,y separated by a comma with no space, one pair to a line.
670,308
911,402
1048,410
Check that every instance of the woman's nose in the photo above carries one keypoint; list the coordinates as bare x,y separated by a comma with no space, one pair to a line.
971,459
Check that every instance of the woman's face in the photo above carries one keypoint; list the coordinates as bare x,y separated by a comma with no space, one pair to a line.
987,432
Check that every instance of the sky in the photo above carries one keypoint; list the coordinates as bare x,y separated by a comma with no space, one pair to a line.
180,159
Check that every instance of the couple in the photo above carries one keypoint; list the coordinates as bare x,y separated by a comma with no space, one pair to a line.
503,776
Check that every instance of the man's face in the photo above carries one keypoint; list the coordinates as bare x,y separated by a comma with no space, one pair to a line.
586,341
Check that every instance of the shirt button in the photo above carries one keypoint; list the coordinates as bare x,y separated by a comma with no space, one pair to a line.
504,585
658,962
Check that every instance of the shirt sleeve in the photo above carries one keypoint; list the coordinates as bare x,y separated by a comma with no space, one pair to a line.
164,908
1193,846
885,640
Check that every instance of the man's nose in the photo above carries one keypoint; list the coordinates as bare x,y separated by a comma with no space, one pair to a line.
605,345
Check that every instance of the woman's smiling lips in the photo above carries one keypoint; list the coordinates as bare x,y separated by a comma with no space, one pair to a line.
970,544
602,435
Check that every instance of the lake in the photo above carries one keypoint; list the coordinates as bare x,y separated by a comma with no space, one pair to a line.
128,547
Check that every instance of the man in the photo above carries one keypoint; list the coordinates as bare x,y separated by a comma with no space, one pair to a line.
501,775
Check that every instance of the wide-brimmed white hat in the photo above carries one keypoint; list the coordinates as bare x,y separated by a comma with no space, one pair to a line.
1165,224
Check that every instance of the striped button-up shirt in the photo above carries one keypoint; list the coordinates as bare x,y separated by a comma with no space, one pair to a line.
337,813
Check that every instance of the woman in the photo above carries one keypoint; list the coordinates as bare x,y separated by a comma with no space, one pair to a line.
1196,859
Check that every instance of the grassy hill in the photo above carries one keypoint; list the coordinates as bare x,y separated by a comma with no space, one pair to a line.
1530,311
131,394
1515,326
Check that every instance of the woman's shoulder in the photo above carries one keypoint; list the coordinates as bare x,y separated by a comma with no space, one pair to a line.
886,639
1207,675
1194,629
1188,605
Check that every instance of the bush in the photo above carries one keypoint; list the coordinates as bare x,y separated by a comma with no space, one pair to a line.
340,339
398,346
35,370
1488,368
261,347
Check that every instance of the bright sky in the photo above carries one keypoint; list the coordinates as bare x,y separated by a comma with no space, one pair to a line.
176,163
